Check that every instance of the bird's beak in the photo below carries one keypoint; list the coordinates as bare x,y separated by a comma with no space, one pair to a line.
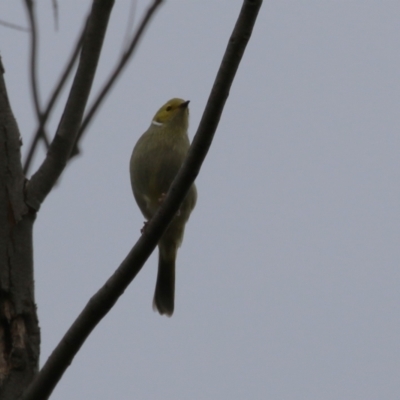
184,104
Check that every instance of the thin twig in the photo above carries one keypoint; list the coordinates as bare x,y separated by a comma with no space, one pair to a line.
54,96
30,7
116,73
99,305
55,14
13,26
56,159
129,25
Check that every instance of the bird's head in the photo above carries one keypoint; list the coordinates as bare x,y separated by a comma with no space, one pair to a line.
173,112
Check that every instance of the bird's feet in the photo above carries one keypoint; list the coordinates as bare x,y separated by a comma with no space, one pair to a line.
143,230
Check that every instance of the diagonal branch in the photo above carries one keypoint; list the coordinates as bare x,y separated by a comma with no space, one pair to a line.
99,305
126,56
53,98
53,165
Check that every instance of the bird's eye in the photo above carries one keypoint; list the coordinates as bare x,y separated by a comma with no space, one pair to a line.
168,108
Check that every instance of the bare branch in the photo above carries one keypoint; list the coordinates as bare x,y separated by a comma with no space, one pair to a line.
116,73
53,165
32,21
53,98
99,305
13,26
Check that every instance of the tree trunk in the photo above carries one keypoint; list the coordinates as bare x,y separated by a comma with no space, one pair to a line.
19,329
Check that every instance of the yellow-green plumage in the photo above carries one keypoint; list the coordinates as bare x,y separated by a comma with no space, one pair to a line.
155,161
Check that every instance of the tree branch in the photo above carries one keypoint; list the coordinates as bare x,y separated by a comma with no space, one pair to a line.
53,98
126,56
99,305
53,165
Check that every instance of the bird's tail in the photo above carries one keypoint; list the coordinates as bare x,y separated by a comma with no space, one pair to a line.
165,287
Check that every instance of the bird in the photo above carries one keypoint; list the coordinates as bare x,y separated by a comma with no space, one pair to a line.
155,161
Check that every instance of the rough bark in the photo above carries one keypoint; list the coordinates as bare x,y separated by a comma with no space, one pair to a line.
19,329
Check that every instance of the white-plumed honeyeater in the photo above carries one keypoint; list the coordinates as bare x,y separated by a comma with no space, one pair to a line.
155,161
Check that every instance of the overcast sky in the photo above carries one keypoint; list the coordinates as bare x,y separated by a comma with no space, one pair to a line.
288,280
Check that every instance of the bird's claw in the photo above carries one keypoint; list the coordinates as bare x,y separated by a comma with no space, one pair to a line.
143,230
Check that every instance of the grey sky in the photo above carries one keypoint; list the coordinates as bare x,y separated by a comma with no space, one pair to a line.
288,278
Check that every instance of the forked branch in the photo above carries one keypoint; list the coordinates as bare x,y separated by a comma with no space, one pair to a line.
53,165
40,131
